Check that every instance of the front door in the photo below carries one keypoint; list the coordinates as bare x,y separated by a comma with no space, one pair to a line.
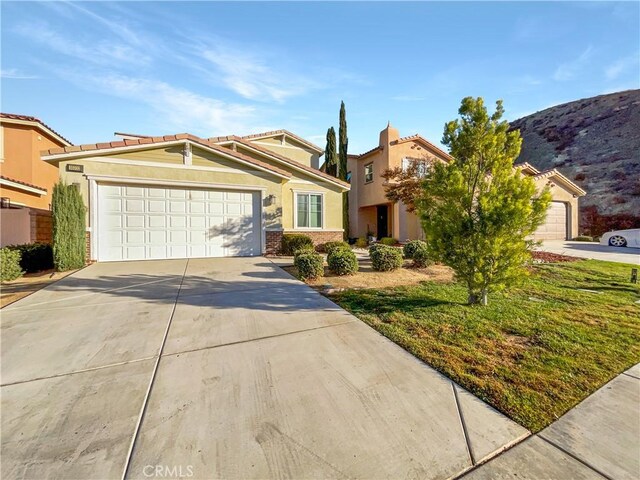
383,221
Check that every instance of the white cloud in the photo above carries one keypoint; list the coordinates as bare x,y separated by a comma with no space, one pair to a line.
569,70
14,73
621,66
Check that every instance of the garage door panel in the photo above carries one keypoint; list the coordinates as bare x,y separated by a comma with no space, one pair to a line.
137,223
555,224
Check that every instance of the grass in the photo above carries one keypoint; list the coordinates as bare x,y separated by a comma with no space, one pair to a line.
534,352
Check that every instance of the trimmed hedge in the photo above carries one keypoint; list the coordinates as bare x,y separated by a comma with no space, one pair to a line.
9,264
583,238
295,241
388,241
410,247
69,227
385,258
310,264
421,256
362,243
342,262
34,257
331,246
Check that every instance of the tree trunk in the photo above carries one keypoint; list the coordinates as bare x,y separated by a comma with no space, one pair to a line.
485,294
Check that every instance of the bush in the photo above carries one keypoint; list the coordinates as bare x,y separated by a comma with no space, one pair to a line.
309,264
304,249
331,246
583,238
69,227
34,257
362,243
410,247
342,262
388,241
385,258
421,256
295,241
9,264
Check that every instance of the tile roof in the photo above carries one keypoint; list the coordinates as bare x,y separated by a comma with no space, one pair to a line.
287,133
26,118
368,152
420,138
166,138
23,183
288,161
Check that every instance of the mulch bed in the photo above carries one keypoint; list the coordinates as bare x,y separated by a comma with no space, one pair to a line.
547,257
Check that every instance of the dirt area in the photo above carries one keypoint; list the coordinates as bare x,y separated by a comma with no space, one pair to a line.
548,257
367,277
27,284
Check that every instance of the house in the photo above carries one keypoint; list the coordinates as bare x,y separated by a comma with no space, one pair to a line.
26,182
371,213
181,196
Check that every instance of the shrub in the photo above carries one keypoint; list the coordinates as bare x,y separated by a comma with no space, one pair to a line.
342,262
421,256
410,247
388,241
295,241
385,258
304,249
309,264
34,257
331,246
69,227
9,264
362,243
583,238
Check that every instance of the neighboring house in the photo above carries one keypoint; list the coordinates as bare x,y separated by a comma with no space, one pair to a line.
371,213
26,182
182,196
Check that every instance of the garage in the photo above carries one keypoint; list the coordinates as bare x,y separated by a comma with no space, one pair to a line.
146,222
555,225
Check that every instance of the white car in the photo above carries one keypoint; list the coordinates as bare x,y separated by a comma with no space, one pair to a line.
622,238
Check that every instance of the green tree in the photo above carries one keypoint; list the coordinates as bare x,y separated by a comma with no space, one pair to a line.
342,170
330,154
69,227
478,210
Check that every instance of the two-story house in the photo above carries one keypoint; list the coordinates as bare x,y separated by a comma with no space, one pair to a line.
371,213
26,182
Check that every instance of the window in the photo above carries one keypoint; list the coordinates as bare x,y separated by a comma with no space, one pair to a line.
308,210
368,173
422,165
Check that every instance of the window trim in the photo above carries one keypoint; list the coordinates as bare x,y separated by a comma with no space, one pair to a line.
295,209
370,164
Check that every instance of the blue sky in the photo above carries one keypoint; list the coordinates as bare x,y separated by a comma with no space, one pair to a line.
89,69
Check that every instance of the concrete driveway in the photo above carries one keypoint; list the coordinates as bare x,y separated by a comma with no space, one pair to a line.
222,368
593,250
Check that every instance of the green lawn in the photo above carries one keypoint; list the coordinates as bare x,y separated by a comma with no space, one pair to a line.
533,352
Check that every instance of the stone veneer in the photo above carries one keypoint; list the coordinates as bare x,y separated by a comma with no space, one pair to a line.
274,238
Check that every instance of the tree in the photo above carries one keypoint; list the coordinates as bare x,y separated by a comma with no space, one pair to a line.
477,210
69,227
342,170
330,154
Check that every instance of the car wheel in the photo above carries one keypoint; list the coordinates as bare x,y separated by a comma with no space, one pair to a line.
617,241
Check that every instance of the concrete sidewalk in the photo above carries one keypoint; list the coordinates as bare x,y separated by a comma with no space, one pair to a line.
598,439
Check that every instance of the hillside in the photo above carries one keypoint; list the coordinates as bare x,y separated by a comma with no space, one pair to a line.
596,143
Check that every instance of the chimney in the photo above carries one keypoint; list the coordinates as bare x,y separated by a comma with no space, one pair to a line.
388,135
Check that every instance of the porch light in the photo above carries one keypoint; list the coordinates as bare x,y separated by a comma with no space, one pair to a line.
5,202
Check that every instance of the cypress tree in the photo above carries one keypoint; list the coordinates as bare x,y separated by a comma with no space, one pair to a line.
69,227
342,170
330,154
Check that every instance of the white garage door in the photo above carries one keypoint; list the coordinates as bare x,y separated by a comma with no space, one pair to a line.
144,222
555,226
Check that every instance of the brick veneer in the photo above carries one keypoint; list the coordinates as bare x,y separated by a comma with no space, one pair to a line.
274,238
87,258
41,225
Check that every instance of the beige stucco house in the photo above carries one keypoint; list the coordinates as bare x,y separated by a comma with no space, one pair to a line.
371,213
181,196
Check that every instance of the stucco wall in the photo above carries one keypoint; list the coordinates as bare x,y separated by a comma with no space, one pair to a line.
559,194
290,149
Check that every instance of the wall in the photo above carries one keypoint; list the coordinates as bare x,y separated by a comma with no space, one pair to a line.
559,194
22,146
15,226
290,149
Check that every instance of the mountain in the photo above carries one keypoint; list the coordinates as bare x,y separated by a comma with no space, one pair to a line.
596,143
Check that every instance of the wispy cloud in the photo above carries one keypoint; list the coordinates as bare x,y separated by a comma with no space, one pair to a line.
621,66
16,74
570,69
